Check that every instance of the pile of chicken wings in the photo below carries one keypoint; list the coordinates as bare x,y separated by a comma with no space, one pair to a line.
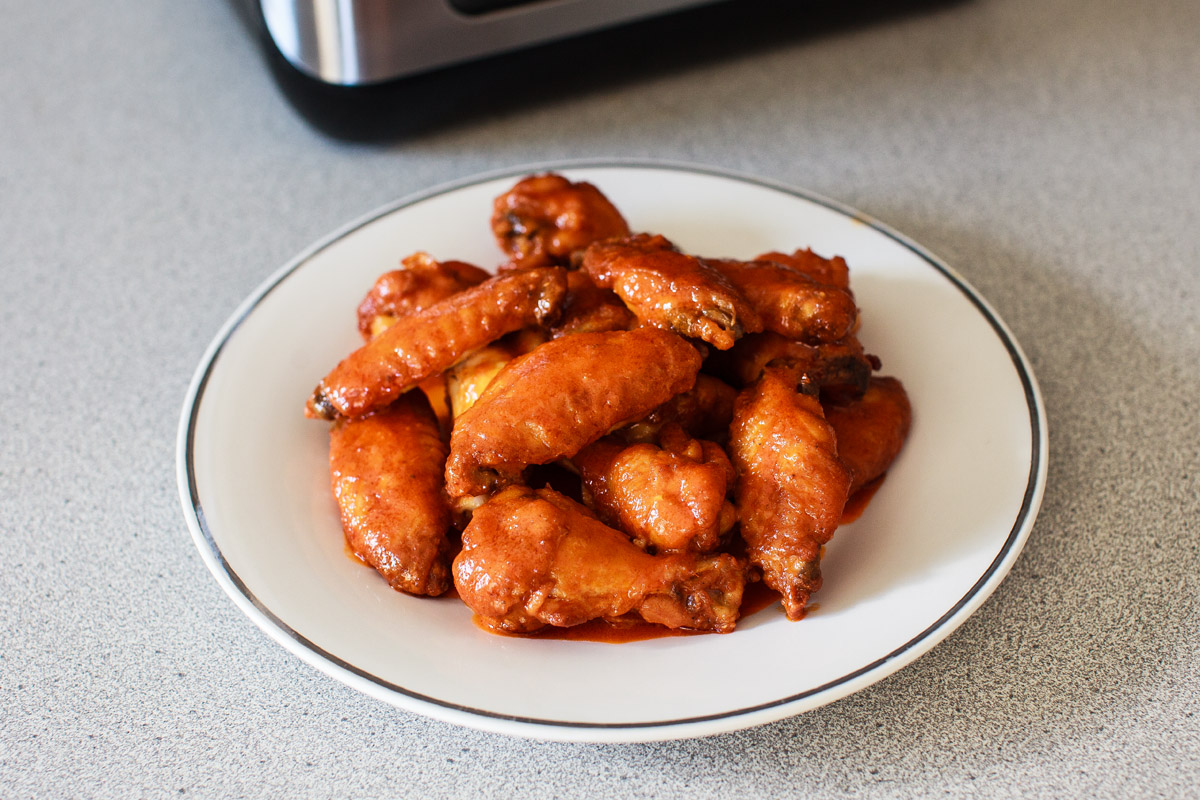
608,428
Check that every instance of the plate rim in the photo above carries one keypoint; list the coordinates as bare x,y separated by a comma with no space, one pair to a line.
569,730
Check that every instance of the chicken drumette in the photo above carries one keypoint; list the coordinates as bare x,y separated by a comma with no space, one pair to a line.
536,558
670,496
545,219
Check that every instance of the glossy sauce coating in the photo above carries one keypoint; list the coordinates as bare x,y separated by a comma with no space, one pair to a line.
671,290
545,219
591,309
386,472
536,558
668,499
791,303
871,429
830,271
560,397
435,338
419,283
791,486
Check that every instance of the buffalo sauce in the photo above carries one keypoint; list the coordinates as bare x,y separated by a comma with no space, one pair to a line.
858,501
353,556
756,597
626,629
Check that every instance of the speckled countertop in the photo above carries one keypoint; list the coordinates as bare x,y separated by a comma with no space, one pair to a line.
152,173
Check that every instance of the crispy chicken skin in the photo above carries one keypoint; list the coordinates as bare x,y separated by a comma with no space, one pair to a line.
544,219
842,364
435,339
790,302
669,498
791,485
830,271
537,558
671,290
872,429
386,469
420,282
563,395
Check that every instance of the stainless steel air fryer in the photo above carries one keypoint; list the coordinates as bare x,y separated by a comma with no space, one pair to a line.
355,42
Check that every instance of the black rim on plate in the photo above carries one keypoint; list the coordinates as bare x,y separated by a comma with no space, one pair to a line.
311,649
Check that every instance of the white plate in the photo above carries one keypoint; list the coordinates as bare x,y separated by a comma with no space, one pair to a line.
938,537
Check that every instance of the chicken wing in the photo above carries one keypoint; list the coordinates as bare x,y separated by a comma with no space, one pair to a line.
672,290
560,397
544,219
421,282
436,338
670,498
790,302
871,430
386,469
791,486
842,364
830,271
536,558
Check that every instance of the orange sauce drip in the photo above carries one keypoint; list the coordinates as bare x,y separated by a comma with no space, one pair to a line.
353,556
858,501
756,597
630,629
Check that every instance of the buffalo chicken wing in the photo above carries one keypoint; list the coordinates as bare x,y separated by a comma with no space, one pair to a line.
672,290
560,397
791,486
536,558
545,219
669,497
419,283
386,470
436,338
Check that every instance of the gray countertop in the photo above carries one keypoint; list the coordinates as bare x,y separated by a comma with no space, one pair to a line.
152,174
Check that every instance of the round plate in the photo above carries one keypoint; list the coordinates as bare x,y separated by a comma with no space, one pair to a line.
936,540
